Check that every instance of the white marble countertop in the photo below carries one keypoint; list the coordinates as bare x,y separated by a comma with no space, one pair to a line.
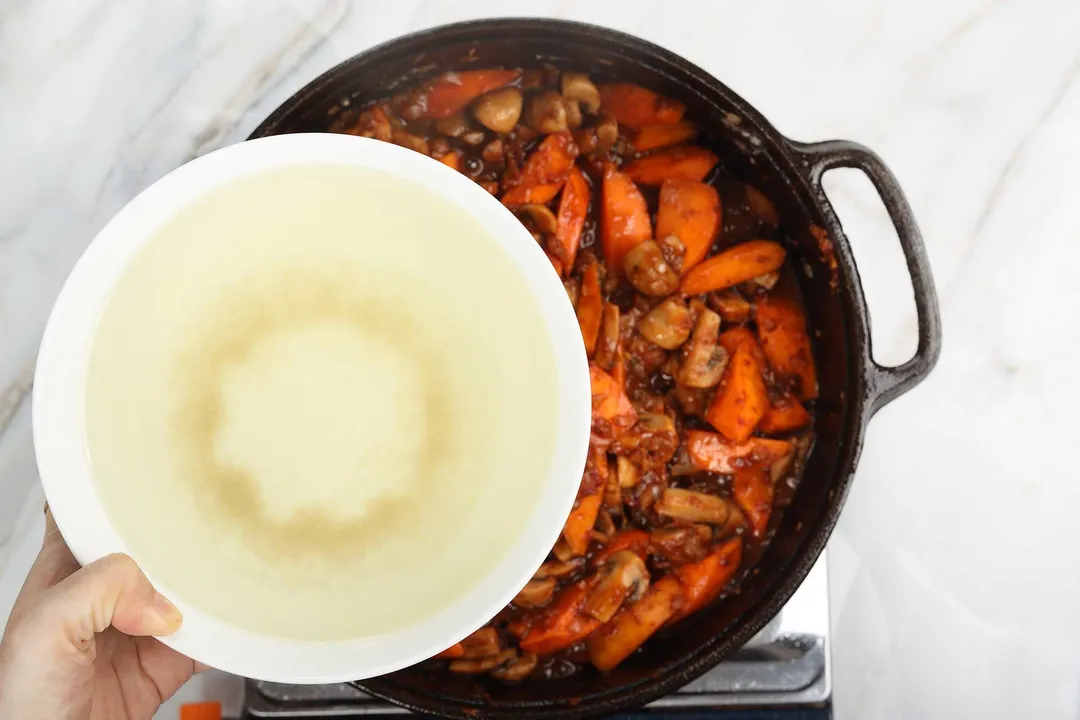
953,591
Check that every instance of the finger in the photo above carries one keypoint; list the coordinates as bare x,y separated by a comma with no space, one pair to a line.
110,591
164,667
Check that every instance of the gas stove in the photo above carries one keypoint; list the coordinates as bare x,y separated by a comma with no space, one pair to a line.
785,667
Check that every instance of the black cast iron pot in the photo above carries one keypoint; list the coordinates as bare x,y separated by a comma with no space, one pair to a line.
853,386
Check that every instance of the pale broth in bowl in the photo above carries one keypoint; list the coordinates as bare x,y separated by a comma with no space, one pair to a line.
319,403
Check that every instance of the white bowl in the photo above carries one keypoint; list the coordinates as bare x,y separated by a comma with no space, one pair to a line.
60,432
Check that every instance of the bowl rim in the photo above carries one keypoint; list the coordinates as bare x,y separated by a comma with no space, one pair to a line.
58,416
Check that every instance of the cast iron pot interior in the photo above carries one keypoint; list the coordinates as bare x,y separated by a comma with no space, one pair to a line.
853,387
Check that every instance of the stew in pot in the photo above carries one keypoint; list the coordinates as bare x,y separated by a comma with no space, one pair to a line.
703,376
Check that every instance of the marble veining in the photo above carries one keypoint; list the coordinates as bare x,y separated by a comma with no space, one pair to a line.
951,575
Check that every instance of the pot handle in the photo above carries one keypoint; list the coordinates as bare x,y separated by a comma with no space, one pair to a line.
884,383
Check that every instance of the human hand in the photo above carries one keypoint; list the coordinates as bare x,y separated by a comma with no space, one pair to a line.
78,644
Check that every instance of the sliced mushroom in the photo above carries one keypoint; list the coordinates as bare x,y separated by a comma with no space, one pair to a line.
705,360
655,424
799,452
454,126
480,665
607,131
613,500
648,270
473,138
673,250
414,110
803,445
668,324
562,553
517,669
605,526
535,593
546,113
607,345
577,87
573,115
731,306
622,578
541,217
695,507
681,465
482,643
647,495
780,467
627,472
499,111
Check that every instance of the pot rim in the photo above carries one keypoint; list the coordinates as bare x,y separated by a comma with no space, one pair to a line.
871,385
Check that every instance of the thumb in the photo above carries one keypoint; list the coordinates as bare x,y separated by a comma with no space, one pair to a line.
110,591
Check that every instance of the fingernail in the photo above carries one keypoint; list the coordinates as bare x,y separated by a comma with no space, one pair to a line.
167,612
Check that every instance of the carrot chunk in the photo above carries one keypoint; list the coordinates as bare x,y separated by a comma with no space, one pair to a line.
454,651
753,493
544,173
582,518
624,220
562,624
741,399
737,264
732,338
713,453
653,137
570,221
590,305
636,541
785,415
636,107
540,194
704,580
634,624
451,159
609,400
685,162
452,91
691,211
782,329
733,308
